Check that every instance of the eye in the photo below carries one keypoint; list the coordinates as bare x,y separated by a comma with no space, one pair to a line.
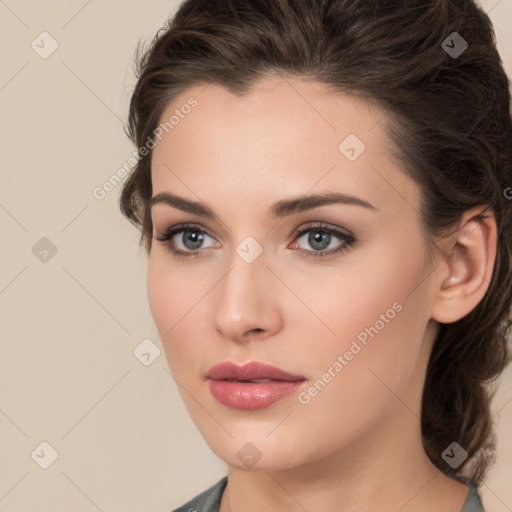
192,238
320,237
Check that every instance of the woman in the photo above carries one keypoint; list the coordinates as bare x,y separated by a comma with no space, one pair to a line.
321,189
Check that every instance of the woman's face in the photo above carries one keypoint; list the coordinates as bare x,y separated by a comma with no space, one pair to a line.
355,324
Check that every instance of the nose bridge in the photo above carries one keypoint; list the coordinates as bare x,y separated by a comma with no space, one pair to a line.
243,302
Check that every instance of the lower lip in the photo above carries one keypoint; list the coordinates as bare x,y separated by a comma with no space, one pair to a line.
252,395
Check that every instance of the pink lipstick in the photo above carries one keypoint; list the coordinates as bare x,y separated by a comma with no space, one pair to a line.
252,386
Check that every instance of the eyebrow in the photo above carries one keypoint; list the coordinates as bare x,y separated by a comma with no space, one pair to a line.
277,210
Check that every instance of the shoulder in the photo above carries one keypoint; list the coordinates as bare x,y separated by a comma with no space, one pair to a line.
207,501
473,502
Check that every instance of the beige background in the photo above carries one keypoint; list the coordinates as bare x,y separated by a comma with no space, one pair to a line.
70,325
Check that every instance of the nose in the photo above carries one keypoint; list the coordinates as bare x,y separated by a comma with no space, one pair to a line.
246,304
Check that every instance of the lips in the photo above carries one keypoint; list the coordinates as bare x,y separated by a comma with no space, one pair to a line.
253,371
252,386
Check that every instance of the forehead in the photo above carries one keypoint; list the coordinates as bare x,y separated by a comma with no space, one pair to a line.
271,105
283,137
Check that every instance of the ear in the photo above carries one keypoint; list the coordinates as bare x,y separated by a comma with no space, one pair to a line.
465,266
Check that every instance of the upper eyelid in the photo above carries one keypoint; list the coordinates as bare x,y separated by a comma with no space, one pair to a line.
319,225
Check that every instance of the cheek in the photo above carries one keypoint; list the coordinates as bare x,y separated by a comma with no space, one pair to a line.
167,298
375,310
362,291
160,301
357,375
172,289
179,303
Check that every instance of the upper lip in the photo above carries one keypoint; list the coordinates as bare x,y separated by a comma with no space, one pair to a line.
250,371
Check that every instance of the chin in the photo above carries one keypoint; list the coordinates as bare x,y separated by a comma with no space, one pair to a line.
257,452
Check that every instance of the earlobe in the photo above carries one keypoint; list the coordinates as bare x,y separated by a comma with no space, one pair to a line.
466,266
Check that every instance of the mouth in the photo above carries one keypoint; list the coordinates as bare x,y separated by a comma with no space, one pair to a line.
252,386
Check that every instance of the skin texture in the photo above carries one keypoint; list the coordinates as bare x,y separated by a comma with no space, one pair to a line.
356,445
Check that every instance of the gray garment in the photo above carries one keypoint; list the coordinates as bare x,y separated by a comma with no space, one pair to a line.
209,500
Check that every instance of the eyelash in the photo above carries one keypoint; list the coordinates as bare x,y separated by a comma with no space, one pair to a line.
349,240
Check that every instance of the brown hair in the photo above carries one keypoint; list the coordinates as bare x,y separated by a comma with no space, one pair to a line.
449,126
